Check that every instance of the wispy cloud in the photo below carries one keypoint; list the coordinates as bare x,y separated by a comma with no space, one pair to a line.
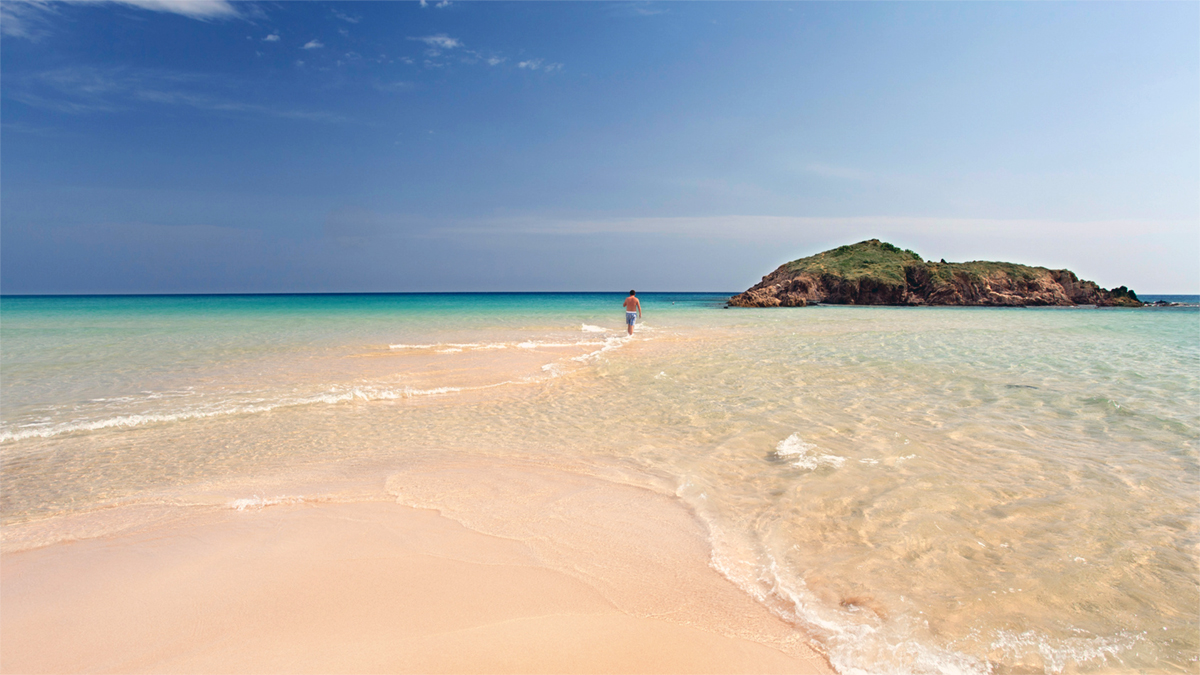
346,17
434,57
203,102
441,41
441,4
636,9
273,37
539,64
313,44
30,19
84,90
196,9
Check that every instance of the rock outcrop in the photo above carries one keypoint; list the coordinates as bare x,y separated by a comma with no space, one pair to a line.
877,273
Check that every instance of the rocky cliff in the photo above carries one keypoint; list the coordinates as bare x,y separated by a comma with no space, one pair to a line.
876,273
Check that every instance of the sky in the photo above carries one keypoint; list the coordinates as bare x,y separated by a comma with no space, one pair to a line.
151,146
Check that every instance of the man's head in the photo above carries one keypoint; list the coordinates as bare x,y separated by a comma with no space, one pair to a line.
632,293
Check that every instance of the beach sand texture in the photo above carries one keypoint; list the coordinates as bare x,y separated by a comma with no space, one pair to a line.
615,580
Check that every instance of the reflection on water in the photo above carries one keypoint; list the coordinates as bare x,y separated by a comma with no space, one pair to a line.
924,490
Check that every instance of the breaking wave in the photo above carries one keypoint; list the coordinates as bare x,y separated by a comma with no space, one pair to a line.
361,393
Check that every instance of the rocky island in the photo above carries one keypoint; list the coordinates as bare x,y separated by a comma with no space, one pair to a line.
873,272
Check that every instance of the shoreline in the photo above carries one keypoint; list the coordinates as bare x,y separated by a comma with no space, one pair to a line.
473,566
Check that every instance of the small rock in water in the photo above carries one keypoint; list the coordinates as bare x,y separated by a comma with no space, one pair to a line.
1020,386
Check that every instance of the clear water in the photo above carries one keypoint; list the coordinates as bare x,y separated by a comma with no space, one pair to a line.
922,490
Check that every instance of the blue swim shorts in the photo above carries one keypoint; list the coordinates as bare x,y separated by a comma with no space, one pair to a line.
630,317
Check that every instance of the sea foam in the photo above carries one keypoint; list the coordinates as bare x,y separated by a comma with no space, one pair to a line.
797,451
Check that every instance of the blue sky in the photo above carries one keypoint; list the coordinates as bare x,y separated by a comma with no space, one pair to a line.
158,147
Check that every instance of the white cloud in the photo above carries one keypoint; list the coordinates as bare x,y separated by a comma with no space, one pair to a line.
24,19
539,64
440,5
495,60
646,10
441,41
313,44
28,18
346,17
273,37
196,9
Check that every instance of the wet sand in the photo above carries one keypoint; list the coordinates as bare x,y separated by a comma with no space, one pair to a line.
557,573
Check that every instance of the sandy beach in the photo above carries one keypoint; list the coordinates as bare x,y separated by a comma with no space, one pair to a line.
508,483
561,573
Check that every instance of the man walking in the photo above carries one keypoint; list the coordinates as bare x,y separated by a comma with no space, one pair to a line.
633,310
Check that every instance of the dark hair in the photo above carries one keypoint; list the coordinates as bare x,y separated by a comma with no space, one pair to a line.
632,292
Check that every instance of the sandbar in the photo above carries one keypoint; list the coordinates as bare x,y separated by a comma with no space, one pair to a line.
532,571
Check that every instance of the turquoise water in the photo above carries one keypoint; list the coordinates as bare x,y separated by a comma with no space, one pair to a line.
920,489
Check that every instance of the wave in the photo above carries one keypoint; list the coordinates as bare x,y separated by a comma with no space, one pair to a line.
860,638
794,448
47,429
258,503
454,347
362,393
535,344
856,642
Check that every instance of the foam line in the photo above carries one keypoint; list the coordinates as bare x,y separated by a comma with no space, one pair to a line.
330,398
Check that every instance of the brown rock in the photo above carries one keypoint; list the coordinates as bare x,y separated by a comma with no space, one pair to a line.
877,273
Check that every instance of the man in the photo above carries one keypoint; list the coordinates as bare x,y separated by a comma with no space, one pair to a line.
633,310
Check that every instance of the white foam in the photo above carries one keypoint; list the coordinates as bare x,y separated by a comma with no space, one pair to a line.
593,329
535,344
361,393
1058,653
794,446
608,345
126,421
856,642
453,347
258,503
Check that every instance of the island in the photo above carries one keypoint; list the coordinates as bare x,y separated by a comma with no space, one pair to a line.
874,272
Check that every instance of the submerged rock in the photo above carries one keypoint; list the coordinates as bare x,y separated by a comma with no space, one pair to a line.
877,273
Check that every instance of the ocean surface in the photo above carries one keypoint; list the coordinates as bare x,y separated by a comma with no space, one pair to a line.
922,490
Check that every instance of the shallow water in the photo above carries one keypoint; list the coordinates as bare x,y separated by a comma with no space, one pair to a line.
922,490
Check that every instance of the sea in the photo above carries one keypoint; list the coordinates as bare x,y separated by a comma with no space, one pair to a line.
920,490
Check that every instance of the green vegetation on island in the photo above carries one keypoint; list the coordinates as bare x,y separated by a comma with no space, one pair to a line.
873,272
